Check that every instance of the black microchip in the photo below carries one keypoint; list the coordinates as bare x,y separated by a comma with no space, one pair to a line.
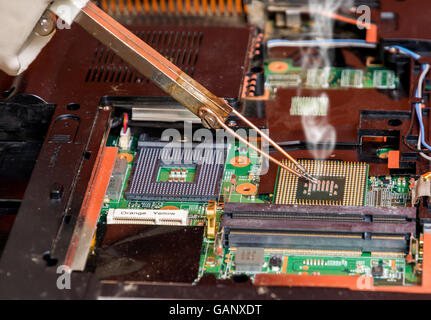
327,189
275,261
377,271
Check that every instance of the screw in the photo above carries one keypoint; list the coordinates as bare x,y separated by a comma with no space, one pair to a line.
209,120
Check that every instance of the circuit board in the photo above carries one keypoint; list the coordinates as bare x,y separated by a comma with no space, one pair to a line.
139,195
385,271
284,74
241,175
388,191
242,167
196,210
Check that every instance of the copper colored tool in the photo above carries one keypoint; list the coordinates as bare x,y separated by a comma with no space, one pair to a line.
211,109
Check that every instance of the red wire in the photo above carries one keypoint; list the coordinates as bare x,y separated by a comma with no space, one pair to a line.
125,121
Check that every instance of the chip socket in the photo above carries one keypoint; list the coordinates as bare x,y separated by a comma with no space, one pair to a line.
145,182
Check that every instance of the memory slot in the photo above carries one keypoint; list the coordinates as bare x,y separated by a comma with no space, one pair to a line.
304,228
333,253
364,243
359,214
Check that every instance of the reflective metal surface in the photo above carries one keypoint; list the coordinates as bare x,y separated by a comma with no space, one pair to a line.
150,63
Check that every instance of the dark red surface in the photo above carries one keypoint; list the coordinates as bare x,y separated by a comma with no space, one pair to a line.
150,253
413,19
60,72
343,113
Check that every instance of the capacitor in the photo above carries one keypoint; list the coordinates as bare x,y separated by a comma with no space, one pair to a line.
233,179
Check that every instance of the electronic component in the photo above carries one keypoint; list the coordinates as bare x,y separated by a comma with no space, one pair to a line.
309,106
352,78
340,230
211,219
377,271
318,78
327,188
125,139
384,79
284,74
115,187
421,188
241,174
249,259
144,216
324,214
120,167
190,180
285,80
339,183
388,191
176,174
275,262
181,222
306,242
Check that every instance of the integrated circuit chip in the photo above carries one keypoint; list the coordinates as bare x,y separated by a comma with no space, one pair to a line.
309,106
113,193
351,78
249,259
326,189
339,183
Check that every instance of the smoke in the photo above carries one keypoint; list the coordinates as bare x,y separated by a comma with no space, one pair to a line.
320,134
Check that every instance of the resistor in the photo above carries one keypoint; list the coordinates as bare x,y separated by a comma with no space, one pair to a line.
233,179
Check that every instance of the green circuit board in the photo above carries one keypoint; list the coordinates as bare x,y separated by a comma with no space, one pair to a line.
385,271
196,210
242,167
241,175
388,191
282,73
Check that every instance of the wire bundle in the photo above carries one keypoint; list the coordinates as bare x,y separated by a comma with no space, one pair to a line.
418,95
339,43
